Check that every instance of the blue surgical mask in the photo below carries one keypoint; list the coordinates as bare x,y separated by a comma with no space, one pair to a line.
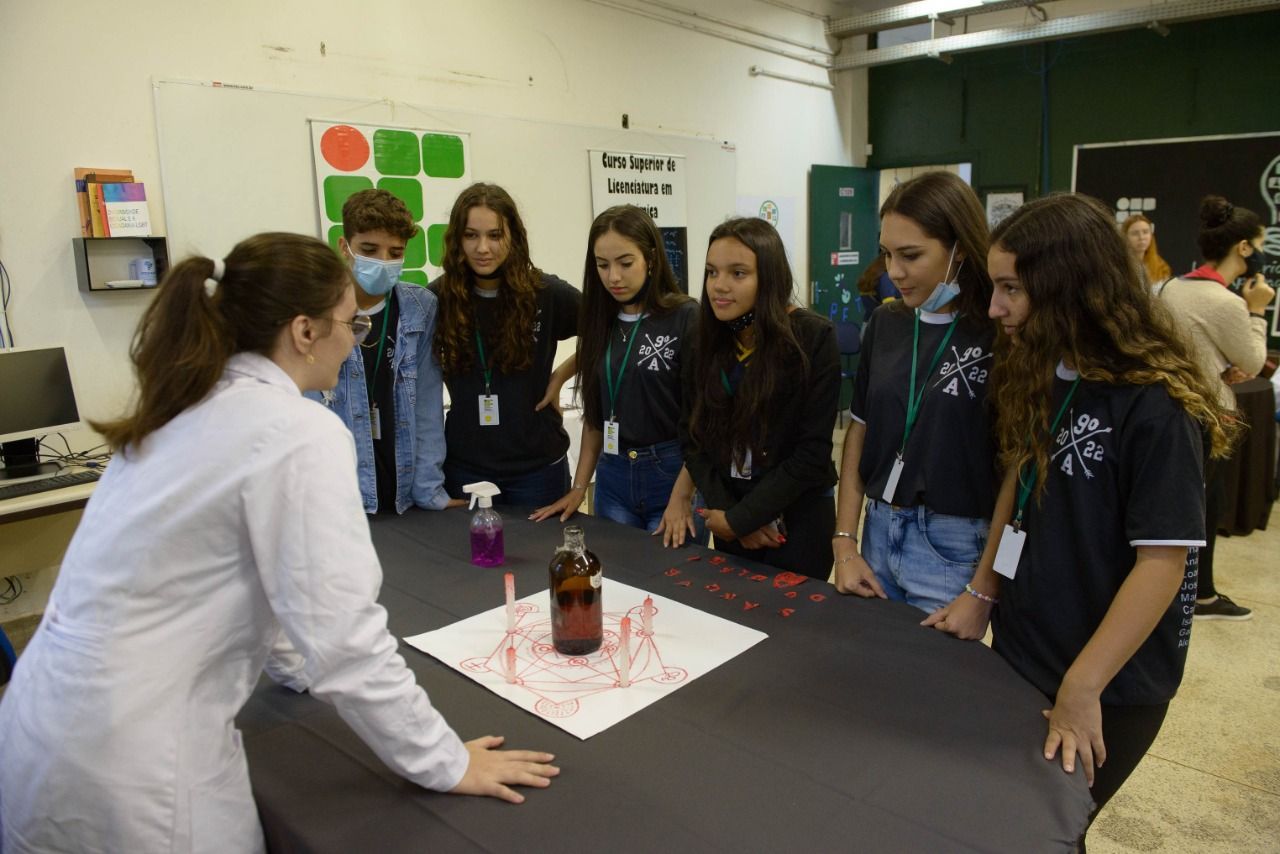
946,291
376,278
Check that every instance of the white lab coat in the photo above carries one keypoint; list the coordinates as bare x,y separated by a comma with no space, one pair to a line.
239,518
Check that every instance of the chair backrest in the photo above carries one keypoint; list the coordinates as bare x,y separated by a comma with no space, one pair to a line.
848,338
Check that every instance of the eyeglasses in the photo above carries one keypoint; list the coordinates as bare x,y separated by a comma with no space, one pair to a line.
360,325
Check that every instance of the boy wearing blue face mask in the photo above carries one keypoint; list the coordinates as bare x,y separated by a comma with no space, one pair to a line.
389,391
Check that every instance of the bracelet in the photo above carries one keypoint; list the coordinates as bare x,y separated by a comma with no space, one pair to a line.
846,535
845,559
572,488
968,588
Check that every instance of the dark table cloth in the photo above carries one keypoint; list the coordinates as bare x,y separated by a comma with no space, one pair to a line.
849,728
1250,479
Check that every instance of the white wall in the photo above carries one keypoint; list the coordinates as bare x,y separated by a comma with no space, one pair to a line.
75,90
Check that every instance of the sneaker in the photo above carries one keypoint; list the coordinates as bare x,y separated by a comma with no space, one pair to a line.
1222,608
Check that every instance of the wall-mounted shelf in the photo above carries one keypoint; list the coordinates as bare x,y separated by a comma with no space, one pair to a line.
106,259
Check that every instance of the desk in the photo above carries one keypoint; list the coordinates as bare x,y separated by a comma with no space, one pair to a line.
849,728
1250,478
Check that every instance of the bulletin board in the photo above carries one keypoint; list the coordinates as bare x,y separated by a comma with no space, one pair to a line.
237,160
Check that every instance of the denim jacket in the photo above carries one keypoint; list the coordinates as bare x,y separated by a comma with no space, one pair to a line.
417,386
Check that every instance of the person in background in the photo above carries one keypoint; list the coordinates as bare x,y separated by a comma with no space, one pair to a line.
1229,338
762,405
500,318
921,448
1101,409
1140,233
229,523
635,343
389,391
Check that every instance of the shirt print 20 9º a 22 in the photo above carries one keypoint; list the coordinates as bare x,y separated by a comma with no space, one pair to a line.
964,371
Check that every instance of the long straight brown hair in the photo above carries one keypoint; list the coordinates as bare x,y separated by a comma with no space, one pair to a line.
725,425
517,294
599,308
186,336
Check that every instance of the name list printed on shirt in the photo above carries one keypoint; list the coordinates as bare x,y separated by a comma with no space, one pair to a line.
654,182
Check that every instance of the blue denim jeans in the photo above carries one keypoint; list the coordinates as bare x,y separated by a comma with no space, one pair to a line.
537,488
633,487
920,557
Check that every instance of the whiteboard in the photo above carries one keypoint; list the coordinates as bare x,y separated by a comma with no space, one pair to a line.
236,161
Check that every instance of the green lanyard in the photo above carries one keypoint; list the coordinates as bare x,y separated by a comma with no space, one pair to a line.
371,382
484,363
614,388
724,380
914,398
1026,485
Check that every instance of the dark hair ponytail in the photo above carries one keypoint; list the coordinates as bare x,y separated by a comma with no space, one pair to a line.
196,323
1223,225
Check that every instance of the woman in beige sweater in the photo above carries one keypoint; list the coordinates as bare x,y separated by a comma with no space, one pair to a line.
1229,335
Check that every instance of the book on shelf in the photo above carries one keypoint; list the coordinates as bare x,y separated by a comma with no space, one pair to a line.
85,175
124,210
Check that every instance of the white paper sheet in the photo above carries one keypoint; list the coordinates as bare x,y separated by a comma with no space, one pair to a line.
581,695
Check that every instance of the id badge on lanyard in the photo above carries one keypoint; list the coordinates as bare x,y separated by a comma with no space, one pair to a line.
488,410
611,437
745,472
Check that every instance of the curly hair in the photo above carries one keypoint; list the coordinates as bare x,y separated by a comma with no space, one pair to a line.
1089,307
376,210
517,294
599,308
1157,268
728,425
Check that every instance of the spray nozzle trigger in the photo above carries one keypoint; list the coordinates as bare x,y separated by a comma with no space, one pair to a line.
481,493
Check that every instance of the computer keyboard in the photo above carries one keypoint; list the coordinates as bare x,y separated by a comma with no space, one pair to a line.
45,484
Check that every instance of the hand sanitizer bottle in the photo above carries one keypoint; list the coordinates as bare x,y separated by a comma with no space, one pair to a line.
486,525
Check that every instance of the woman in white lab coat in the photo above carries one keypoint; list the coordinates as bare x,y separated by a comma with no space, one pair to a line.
229,523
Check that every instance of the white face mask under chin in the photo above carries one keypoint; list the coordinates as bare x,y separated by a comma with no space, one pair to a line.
947,290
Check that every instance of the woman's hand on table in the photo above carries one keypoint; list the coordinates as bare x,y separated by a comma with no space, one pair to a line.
853,574
767,537
491,772
965,616
566,506
1075,727
677,522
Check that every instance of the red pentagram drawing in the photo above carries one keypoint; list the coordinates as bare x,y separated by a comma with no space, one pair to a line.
560,682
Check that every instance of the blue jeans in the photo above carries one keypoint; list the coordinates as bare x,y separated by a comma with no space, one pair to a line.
633,487
920,557
537,488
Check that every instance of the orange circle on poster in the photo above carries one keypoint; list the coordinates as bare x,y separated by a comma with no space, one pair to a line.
344,148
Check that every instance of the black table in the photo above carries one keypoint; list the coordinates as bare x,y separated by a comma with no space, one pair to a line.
1250,477
849,728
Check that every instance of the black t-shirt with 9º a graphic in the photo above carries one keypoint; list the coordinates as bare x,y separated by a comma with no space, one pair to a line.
650,393
1124,471
950,461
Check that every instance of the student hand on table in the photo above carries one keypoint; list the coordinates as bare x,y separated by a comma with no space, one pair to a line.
490,771
566,506
677,522
717,524
853,574
1075,726
965,616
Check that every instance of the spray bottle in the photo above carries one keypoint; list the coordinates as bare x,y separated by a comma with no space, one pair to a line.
486,525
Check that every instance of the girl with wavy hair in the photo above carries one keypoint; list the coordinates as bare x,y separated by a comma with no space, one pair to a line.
498,323
762,406
635,342
1102,415
1140,233
920,451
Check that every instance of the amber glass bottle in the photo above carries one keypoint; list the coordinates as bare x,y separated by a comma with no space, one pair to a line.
577,625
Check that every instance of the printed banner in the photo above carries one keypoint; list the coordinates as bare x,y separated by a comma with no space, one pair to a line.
655,182
425,169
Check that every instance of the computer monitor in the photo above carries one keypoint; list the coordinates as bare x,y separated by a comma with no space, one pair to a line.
36,398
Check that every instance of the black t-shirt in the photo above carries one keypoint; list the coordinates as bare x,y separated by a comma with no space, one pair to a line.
1124,471
950,461
523,440
650,393
379,387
